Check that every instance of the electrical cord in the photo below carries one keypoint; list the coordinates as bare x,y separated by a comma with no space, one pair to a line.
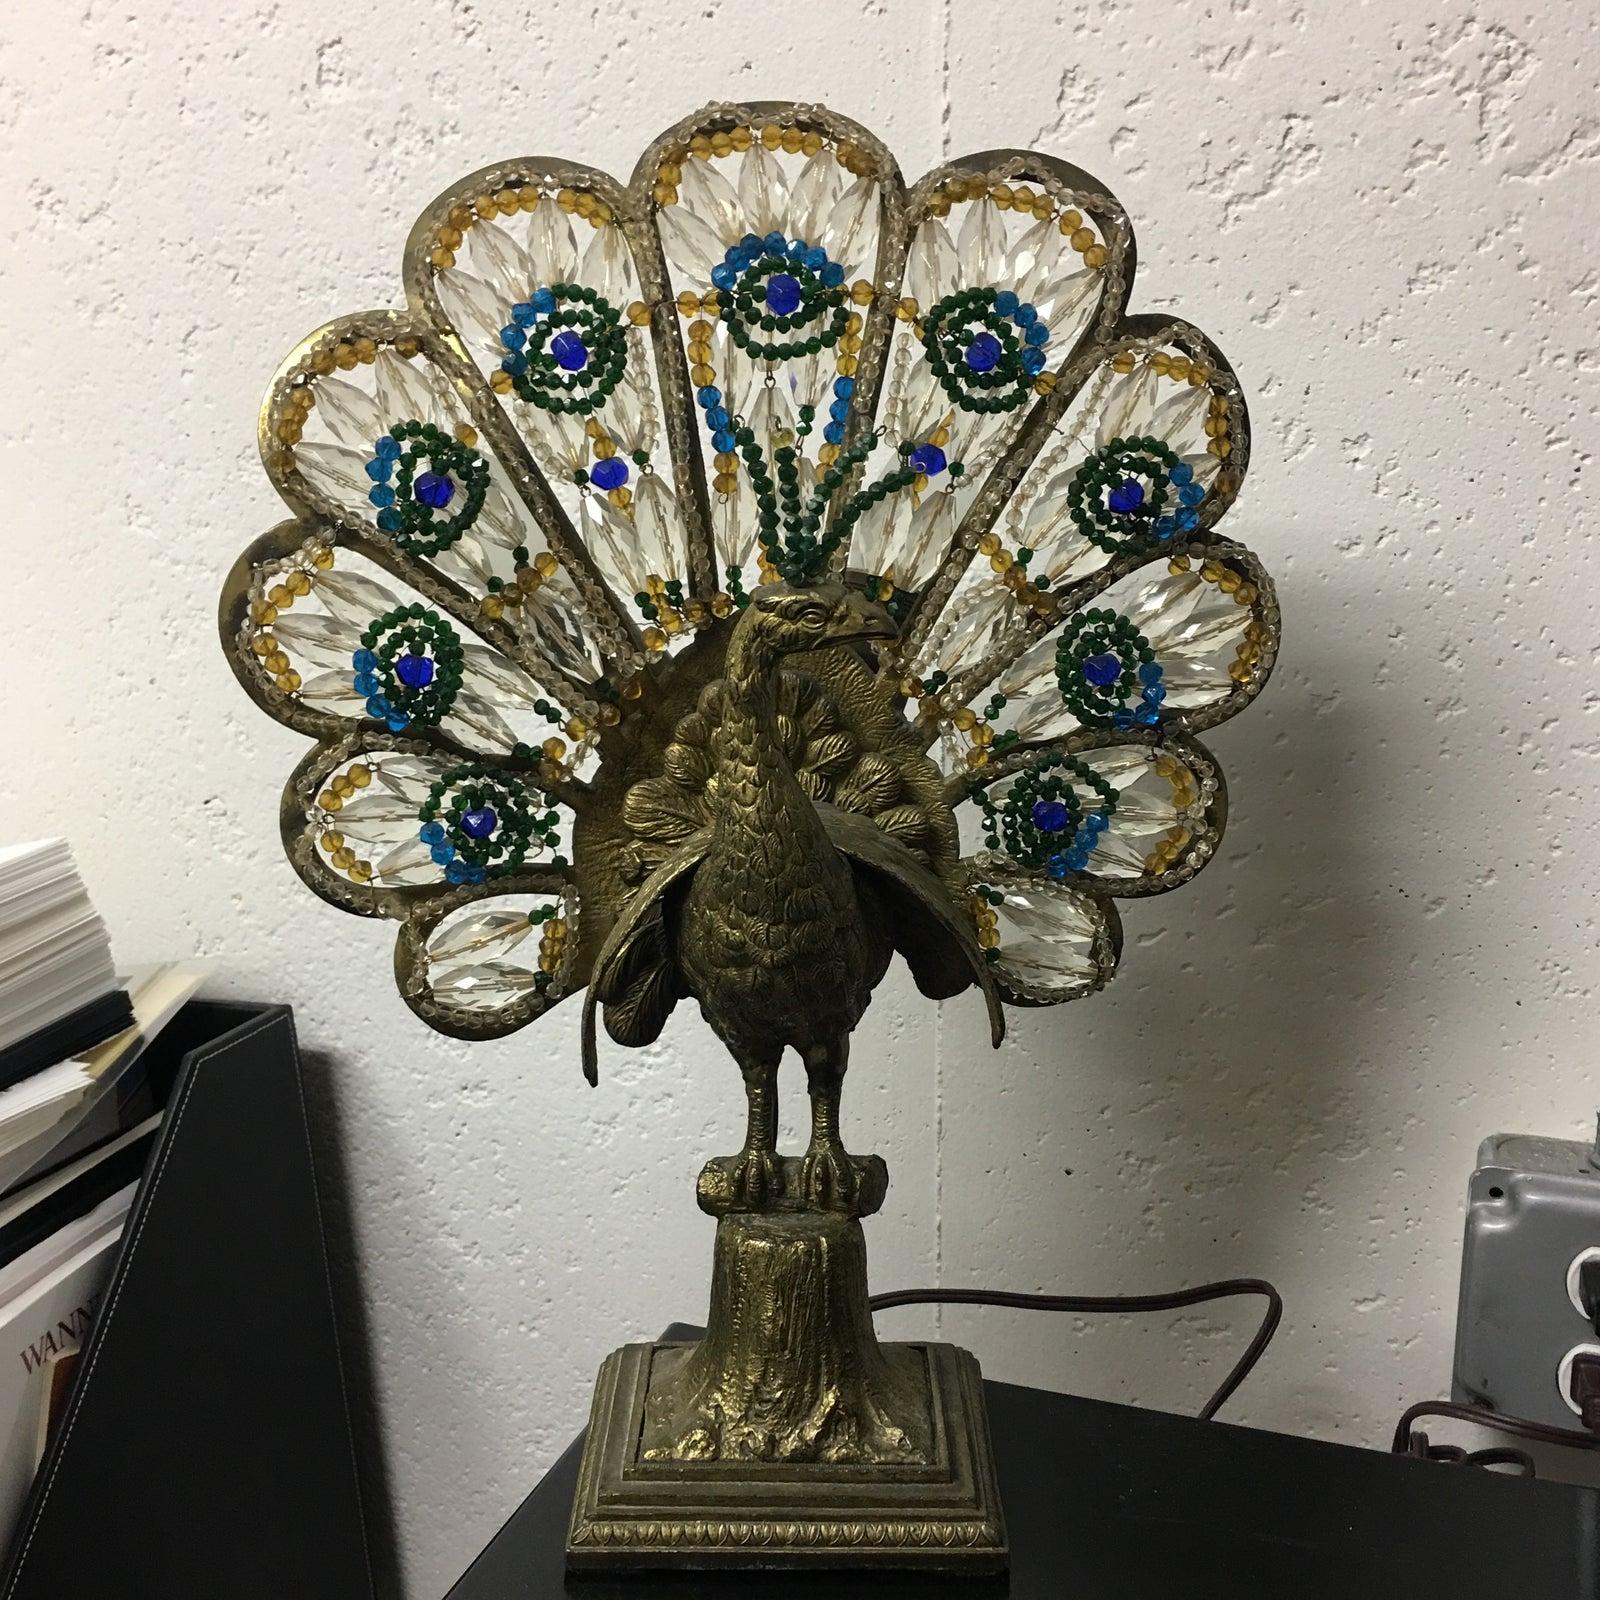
1226,1289
1416,1444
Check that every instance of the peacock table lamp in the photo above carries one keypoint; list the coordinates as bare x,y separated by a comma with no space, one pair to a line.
708,587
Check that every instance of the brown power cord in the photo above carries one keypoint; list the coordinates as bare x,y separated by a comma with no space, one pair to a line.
1407,1443
1224,1290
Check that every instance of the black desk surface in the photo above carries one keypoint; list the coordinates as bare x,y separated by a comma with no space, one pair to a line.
1107,1502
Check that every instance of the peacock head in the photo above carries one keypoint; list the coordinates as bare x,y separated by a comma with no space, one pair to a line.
785,619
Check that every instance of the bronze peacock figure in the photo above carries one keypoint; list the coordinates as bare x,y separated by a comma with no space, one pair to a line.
711,585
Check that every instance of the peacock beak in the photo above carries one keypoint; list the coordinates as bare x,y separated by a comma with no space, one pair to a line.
866,619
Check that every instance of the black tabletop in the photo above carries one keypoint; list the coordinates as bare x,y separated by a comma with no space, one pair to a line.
1108,1502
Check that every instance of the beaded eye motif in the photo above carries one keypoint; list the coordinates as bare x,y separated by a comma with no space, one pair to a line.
608,410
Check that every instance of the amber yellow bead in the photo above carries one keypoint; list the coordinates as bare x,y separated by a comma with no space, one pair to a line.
964,718
989,938
1178,368
861,292
441,258
407,347
366,350
281,596
638,313
303,397
771,135
654,639
288,681
633,688
527,197
1229,581
461,215
1220,448
709,302
492,606
1071,221
360,871
263,612
1001,195
742,138
792,140
810,142
989,544
621,498
466,434
567,199
906,310
484,205
665,194
1022,197
289,430
721,142
1000,560
608,716
322,557
528,580
276,663
264,645
1239,671
1045,383
1122,361
331,841
846,365
671,621
545,564
360,776
329,801
1245,594
725,461
827,455
322,361
1178,564
699,352
1095,256
721,604
669,172
701,375
977,756
500,381
725,482
298,583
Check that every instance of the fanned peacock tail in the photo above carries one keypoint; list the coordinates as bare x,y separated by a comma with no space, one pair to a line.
527,509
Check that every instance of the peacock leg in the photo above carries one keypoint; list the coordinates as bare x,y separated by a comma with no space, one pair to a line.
758,1173
828,1174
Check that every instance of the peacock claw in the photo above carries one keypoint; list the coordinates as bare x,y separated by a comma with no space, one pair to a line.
830,1178
756,1178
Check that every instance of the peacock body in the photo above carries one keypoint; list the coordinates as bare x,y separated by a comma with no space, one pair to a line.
712,585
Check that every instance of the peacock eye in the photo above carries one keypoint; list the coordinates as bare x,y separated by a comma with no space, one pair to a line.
986,347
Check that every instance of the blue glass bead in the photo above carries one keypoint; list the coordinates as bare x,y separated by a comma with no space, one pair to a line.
1032,361
839,410
367,683
516,364
708,396
1077,860
1083,840
434,490
543,301
717,417
432,833
1057,867
1127,496
523,314
443,854
1155,694
783,294
1025,315
1005,302
723,275
752,241
455,872
1049,816
479,824
1182,473
1188,519
378,469
983,353
609,474
816,258
833,274
776,244
363,661
390,521
414,671
570,352
1150,672
844,387
380,494
1102,670
1191,494
1037,334
1097,822
928,459
798,248
724,440
834,433
378,707
512,337
388,447
396,721
1122,721
1147,716
1166,527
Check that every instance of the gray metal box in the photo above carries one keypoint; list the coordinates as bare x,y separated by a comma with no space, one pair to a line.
1533,1216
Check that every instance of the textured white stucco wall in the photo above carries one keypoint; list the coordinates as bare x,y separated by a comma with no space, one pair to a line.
1383,212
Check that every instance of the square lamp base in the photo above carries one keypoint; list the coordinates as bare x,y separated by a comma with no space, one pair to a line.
630,1513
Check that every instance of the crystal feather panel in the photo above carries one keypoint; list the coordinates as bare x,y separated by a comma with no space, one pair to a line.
1045,942
534,272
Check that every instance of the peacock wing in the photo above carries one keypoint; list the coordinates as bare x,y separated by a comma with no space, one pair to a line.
925,924
635,974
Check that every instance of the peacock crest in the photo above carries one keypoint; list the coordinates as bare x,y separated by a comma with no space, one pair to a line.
529,510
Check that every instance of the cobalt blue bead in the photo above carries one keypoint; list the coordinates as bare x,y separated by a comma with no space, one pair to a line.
1181,473
479,824
1150,672
752,241
844,387
724,440
1191,494
1122,721
839,410
434,490
512,337
367,683
723,275
388,447
516,364
1077,860
816,258
443,854
523,314
455,872
363,661
717,417
708,396
1166,527
1025,315
1155,694
783,294
1102,670
414,671
833,274
776,244
1057,867
1188,518
432,833
390,521
928,459
543,301
1049,816
1037,334
378,707
834,433
609,474
1005,302
1127,496
798,248
1147,716
395,721
983,353
1098,821
378,469
1032,361
570,352
380,494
